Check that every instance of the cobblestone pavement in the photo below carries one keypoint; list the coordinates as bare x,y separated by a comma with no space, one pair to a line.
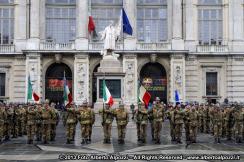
17,150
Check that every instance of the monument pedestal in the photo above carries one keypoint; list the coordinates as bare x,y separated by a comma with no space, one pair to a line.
111,71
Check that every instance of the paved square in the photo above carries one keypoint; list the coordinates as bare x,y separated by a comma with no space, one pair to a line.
17,150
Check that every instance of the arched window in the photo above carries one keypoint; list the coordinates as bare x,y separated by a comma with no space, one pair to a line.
60,20
104,12
6,21
210,22
152,26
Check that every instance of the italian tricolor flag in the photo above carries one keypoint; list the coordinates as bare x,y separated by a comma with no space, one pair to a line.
107,97
31,95
67,95
144,96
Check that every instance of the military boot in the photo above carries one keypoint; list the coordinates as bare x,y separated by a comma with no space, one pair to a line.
108,141
219,140
119,141
105,141
215,140
122,141
28,141
31,141
83,142
6,138
68,141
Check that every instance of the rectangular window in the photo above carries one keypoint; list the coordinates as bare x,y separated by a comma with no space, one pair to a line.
104,12
114,86
211,83
61,21
210,22
2,84
6,22
152,25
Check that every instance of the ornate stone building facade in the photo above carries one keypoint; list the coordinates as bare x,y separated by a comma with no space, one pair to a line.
194,47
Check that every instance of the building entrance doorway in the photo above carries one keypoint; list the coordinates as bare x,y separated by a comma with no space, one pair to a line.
154,78
54,82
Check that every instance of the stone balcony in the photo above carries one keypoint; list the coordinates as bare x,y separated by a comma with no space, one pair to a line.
94,46
153,46
212,48
48,46
98,46
8,48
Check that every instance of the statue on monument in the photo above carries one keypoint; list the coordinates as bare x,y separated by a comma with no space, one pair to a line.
109,36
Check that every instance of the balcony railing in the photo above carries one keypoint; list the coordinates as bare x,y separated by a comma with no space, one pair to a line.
9,48
57,46
153,46
212,48
99,46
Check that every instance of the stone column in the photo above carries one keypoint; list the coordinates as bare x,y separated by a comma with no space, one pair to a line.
177,77
20,25
81,42
33,69
177,35
130,7
191,18
130,80
33,42
81,78
234,24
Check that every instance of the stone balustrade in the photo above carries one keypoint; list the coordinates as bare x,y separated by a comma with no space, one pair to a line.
56,46
8,48
212,48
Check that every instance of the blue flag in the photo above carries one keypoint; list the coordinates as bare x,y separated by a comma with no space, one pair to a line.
177,97
126,23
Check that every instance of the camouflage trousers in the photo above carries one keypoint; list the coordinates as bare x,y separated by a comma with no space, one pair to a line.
70,130
45,132
39,131
206,126
90,132
85,129
238,129
200,126
157,129
172,131
53,131
187,131
193,132
152,130
178,131
138,130
30,131
1,130
217,130
7,130
121,131
20,128
107,130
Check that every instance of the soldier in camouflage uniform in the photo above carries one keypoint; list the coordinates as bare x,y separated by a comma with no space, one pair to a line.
217,123
158,118
46,117
16,116
8,122
39,123
86,118
179,115
150,117
93,121
53,122
31,119
200,118
228,122
193,118
70,123
187,122
3,117
206,119
122,119
141,115
19,121
238,127
107,120
171,116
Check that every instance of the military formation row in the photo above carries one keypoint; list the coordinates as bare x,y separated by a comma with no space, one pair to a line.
31,120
